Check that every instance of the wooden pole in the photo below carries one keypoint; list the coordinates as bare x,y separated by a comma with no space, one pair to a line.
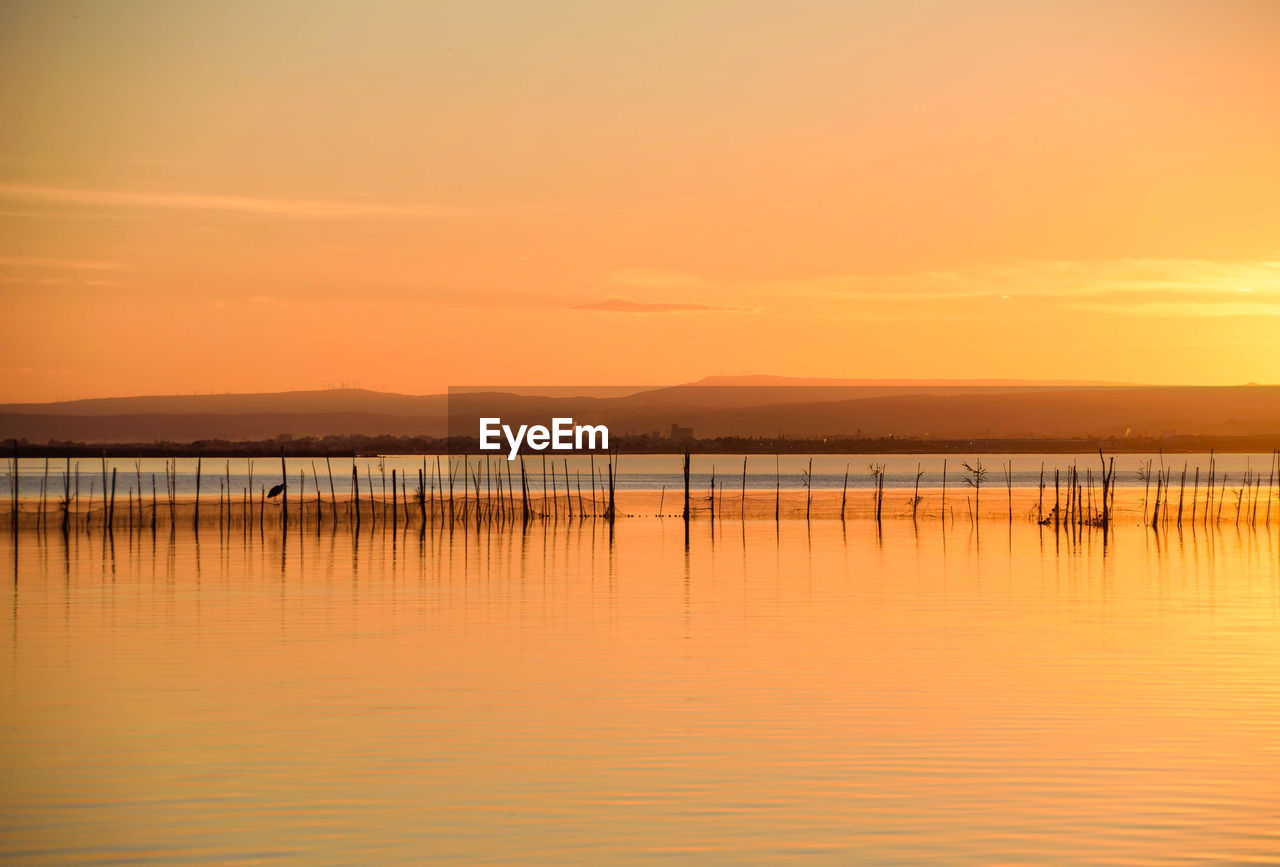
1040,494
1182,489
777,486
686,486
879,480
355,492
944,491
524,491
284,494
438,478
568,498
1195,494
613,511
13,512
808,490
1105,485
66,499
1271,478
195,518
544,483
44,491
1008,479
915,493
104,486
712,499
1057,497
1155,510
450,493
1210,484
315,480
333,495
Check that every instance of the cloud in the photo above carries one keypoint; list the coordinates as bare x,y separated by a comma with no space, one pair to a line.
622,305
1135,286
68,264
644,278
1183,309
316,209
1225,281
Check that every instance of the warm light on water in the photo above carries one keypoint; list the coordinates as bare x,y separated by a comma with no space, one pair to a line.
755,693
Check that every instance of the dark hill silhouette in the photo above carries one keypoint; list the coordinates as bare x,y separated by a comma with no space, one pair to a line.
995,409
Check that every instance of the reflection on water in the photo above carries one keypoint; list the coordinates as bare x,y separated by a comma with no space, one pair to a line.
753,692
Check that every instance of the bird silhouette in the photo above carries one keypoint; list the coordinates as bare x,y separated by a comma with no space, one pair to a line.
276,491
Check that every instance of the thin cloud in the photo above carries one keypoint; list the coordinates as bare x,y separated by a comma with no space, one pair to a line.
645,278
68,264
1184,309
34,371
317,209
1054,279
622,305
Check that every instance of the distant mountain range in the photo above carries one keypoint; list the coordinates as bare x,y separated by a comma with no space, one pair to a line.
713,407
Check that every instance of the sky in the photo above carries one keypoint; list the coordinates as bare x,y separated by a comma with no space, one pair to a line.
227,197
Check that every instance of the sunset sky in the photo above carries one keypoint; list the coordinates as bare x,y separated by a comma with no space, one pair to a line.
265,196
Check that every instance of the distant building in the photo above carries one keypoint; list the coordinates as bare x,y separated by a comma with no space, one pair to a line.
681,433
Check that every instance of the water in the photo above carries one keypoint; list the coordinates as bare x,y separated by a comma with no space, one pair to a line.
634,472
753,693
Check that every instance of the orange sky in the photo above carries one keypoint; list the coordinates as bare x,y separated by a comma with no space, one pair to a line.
251,197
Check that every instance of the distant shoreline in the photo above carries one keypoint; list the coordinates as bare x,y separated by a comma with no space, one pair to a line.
624,445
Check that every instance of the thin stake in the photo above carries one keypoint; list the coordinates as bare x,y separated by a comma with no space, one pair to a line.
686,486
844,492
355,492
943,512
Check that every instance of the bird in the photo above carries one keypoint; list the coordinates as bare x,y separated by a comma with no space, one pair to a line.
275,492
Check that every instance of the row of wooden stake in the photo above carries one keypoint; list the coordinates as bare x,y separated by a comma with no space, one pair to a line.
461,491
482,493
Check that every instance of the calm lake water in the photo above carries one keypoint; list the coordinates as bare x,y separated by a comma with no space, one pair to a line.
754,692
634,472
